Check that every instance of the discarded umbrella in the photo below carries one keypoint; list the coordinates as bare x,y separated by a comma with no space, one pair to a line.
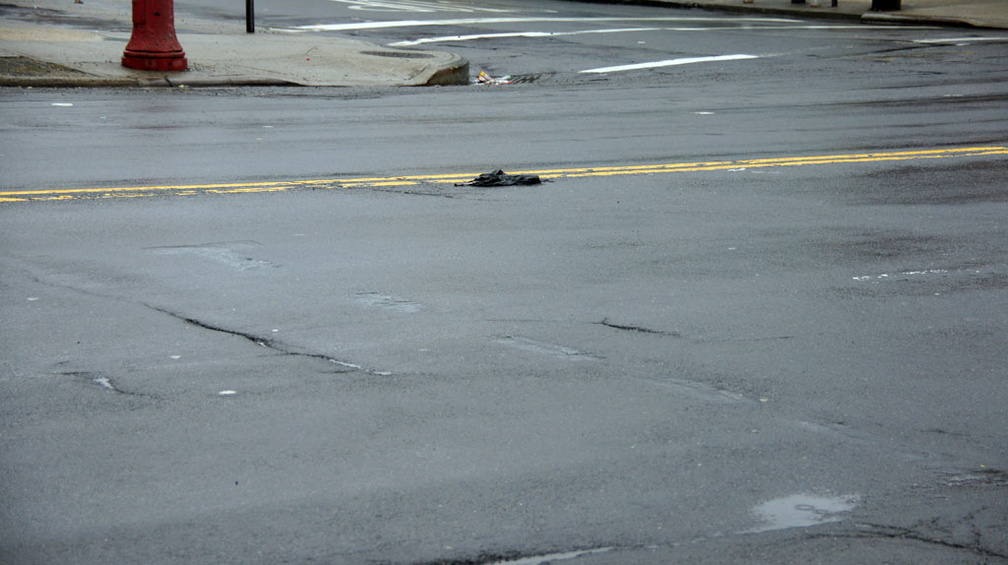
500,178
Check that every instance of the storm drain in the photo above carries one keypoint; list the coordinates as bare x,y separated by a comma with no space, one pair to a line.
399,54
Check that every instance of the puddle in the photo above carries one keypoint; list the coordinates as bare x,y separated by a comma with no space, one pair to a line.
396,304
99,380
801,511
544,348
552,557
104,382
225,253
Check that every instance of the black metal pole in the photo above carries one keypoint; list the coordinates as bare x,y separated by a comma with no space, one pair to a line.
250,16
885,5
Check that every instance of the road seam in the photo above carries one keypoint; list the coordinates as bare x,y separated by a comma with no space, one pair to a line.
12,196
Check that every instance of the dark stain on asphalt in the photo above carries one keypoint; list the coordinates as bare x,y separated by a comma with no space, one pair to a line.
639,329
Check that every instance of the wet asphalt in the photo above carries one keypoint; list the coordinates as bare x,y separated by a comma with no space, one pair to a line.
784,346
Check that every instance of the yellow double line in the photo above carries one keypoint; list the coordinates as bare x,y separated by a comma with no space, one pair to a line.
411,180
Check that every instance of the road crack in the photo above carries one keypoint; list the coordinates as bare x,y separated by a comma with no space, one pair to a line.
639,329
519,558
896,532
268,343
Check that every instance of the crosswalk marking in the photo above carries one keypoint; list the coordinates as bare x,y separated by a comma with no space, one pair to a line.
530,34
357,26
670,63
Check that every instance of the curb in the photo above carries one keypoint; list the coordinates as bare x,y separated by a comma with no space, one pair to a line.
453,73
894,19
740,9
43,81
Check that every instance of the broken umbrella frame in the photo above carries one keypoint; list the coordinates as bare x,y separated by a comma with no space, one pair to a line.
500,178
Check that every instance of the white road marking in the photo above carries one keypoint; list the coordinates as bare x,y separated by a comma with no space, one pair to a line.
551,557
512,20
449,38
415,6
887,276
534,34
670,63
960,40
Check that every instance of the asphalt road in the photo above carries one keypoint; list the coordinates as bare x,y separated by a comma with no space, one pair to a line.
757,313
841,89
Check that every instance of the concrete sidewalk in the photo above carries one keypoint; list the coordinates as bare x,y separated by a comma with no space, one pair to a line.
60,43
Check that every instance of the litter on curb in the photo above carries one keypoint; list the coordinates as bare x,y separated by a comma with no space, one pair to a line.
484,78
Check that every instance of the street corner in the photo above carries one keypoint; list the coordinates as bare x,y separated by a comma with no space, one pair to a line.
45,56
16,70
343,62
454,71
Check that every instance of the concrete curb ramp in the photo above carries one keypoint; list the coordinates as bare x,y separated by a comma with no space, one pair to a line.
38,56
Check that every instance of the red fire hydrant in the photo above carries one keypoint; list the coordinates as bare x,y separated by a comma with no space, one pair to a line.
153,45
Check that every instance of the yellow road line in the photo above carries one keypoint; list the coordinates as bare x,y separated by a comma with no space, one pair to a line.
578,172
